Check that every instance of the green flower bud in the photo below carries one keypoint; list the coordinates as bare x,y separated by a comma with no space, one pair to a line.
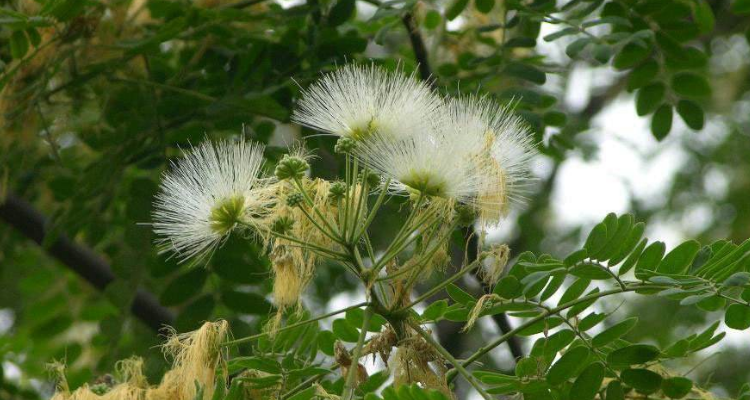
282,225
345,145
294,199
337,190
465,215
372,179
291,167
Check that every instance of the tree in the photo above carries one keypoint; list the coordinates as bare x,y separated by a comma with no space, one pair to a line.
99,97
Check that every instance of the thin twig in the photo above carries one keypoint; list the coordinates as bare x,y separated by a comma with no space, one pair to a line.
295,325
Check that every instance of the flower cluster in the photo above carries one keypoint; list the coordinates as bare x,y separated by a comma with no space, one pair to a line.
470,149
456,157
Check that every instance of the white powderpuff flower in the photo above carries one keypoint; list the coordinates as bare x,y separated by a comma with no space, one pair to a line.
506,155
207,194
430,162
355,101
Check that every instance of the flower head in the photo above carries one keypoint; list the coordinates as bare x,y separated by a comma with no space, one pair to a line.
429,163
207,194
475,153
505,151
356,101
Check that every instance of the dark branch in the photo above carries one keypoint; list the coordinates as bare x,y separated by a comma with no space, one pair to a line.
417,44
80,259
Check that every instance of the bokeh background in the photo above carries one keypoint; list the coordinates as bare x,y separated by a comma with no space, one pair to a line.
638,106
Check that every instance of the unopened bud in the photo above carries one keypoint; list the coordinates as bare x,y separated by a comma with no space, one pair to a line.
291,167
337,190
282,225
294,199
371,178
344,145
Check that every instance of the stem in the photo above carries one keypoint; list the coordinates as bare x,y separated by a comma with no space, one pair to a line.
402,240
311,246
447,355
441,285
348,181
362,198
331,233
292,326
351,376
502,339
374,210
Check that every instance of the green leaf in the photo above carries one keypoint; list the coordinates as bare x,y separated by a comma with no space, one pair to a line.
34,37
64,10
435,310
590,271
703,16
508,287
614,391
642,380
602,53
737,279
633,354
18,44
484,6
614,332
676,387
344,331
631,247
651,257
596,239
267,365
555,118
577,46
341,12
588,383
661,123
680,258
356,317
567,366
740,7
642,75
561,33
432,20
326,341
738,316
631,55
591,321
574,291
459,295
374,382
526,72
617,238
306,394
557,341
455,9
689,84
691,113
648,98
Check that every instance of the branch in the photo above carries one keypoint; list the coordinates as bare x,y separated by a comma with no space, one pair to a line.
449,357
502,339
292,326
80,259
420,50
